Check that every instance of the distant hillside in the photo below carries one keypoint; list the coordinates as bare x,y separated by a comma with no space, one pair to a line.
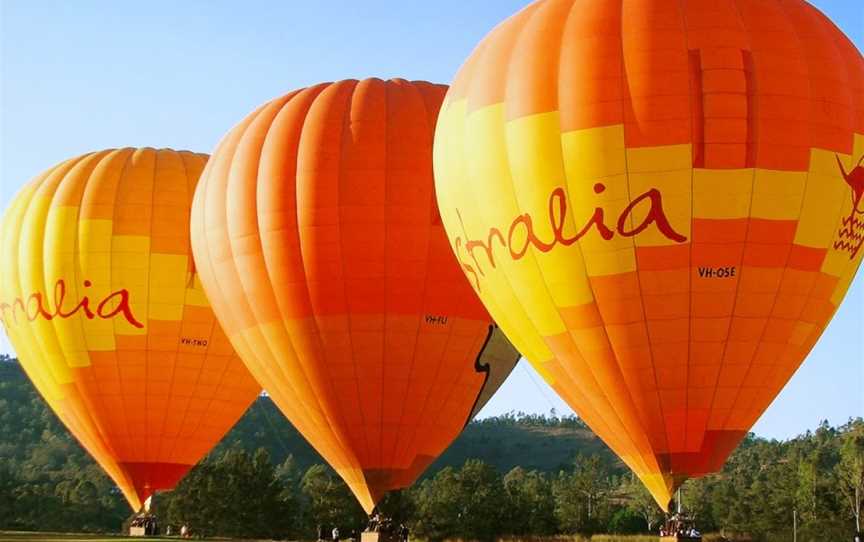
533,442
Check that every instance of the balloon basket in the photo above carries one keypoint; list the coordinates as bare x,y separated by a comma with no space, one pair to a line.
378,536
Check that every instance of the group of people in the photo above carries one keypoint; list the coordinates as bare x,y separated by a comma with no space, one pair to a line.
681,527
377,524
148,522
384,525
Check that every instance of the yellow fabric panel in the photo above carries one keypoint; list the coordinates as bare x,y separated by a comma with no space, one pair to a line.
61,229
590,156
167,286
94,262
32,279
490,173
130,270
658,159
594,153
721,194
825,195
777,195
537,169
498,297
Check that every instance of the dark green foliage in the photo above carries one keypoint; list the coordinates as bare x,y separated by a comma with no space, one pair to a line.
329,502
238,494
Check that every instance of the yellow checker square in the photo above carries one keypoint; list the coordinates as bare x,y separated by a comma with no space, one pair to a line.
659,159
846,278
824,196
594,153
777,195
134,244
61,230
101,340
196,297
165,311
612,262
722,194
824,163
534,154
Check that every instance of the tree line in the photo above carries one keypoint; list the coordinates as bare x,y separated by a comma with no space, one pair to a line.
246,489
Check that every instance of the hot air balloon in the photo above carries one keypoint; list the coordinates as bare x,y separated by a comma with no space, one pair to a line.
318,240
654,200
100,300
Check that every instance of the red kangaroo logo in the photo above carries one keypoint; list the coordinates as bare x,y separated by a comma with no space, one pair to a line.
851,235
855,179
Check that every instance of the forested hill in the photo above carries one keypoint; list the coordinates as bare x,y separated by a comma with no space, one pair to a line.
532,442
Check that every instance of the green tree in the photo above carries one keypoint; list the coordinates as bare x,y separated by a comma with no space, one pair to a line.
850,470
641,503
481,501
330,503
580,495
531,506
437,506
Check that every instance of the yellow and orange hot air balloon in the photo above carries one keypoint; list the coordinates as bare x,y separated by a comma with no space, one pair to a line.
99,299
317,236
660,204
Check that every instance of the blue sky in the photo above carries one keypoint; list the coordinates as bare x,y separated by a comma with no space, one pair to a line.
81,76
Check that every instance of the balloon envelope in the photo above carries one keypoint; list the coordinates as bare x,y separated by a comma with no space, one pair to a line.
99,300
659,202
318,239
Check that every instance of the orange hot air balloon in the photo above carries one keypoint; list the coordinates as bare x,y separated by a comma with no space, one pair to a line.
654,200
99,298
318,239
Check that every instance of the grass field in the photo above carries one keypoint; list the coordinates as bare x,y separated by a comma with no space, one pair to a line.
6,536
59,537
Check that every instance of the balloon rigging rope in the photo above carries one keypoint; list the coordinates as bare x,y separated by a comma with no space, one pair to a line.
537,385
259,401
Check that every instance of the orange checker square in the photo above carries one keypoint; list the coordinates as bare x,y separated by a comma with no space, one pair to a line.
665,307
778,330
668,331
662,258
759,280
789,306
818,311
703,377
824,287
717,255
754,305
709,329
671,354
712,304
704,353
766,254
726,155
746,329
720,231
739,352
806,258
664,282
580,316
